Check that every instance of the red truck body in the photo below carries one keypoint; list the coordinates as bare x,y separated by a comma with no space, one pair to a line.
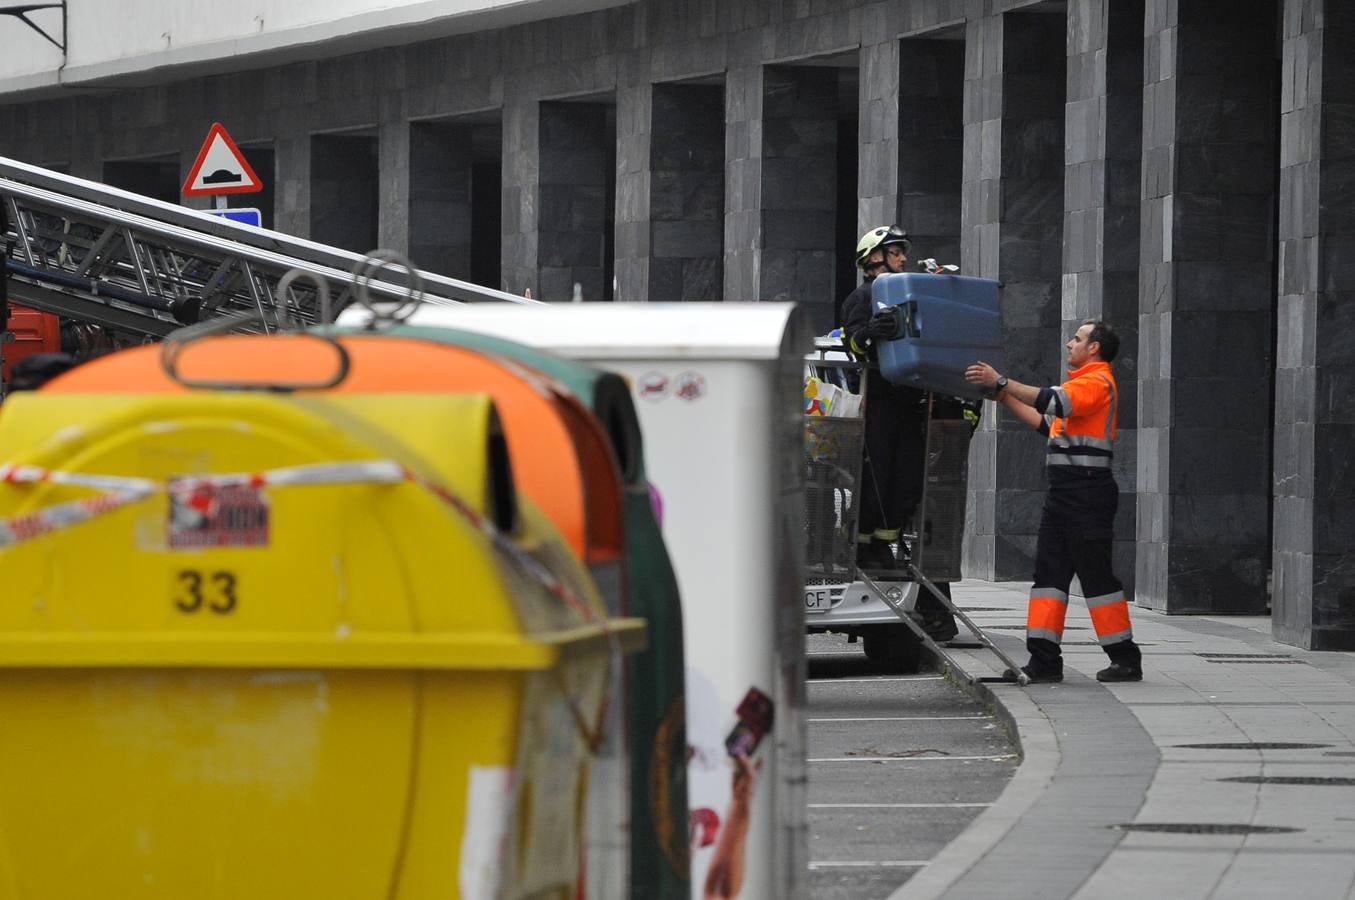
34,332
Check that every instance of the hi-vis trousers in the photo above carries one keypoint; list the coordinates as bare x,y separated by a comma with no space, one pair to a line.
1076,537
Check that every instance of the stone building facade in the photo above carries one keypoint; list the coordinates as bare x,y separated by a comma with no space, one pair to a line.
1183,168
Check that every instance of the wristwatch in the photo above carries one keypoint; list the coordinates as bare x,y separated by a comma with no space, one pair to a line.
1000,385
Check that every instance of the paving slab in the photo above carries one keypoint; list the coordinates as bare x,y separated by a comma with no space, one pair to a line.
1114,796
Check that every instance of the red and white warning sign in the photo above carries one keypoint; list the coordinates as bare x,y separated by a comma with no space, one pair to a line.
220,168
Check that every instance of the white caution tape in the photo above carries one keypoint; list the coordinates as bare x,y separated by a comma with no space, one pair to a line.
18,529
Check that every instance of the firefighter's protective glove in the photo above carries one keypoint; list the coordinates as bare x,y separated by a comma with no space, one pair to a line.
884,326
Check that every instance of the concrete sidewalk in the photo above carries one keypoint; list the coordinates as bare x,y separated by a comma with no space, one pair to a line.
1228,772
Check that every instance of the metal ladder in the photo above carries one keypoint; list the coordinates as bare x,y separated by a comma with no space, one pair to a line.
109,257
918,562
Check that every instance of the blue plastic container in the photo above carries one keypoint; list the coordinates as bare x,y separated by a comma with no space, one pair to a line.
950,321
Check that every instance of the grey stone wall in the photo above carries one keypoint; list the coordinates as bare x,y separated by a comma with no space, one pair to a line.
980,209
878,136
743,183
1103,134
799,188
574,156
1012,208
439,190
1314,580
1113,158
931,145
687,193
1206,301
344,192
634,105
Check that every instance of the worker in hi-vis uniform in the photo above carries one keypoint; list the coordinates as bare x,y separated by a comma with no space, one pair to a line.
1076,526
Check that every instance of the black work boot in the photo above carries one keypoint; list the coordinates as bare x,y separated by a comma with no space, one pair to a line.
875,556
1126,662
932,614
1046,662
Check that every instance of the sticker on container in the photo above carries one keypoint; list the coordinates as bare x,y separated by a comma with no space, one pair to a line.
690,386
204,515
653,386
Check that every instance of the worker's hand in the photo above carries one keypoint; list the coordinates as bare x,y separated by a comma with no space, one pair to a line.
883,326
982,374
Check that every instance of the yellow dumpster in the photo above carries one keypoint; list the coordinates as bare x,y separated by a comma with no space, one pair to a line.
260,646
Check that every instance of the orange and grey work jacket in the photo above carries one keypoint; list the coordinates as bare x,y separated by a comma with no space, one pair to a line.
1080,418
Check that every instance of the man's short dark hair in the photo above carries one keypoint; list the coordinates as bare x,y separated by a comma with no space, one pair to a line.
1104,335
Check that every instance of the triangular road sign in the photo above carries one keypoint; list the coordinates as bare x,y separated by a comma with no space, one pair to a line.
220,168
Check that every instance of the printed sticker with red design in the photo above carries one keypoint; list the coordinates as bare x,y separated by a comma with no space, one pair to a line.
204,515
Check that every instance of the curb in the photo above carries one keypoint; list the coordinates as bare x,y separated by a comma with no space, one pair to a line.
1037,745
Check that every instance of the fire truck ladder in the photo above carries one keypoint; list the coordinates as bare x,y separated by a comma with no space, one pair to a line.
108,257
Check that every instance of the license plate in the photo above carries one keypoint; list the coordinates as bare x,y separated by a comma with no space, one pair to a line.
818,600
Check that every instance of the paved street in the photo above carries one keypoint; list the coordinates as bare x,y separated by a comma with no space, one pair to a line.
898,767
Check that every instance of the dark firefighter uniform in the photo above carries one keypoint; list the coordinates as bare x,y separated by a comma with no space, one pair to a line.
895,435
1076,527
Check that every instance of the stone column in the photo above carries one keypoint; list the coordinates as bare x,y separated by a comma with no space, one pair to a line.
799,188
1103,127
687,186
393,157
743,183
518,249
440,160
1011,223
880,144
1206,299
1313,600
634,112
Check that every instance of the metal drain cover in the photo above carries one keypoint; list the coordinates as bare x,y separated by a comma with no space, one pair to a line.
1339,753
1244,655
1253,745
1204,828
1257,662
1311,780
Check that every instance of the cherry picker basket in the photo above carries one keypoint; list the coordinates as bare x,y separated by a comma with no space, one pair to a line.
832,468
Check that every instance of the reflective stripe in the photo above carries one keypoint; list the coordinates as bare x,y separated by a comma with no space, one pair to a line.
1111,414
1110,619
864,539
1046,613
1045,634
1077,440
1090,462
1105,599
1105,640
887,534
1065,407
1039,593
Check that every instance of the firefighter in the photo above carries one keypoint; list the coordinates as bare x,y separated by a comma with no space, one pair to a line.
1076,526
896,419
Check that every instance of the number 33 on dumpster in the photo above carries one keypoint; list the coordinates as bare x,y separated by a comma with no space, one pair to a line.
195,591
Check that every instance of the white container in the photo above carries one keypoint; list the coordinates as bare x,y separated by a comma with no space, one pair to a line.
719,391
